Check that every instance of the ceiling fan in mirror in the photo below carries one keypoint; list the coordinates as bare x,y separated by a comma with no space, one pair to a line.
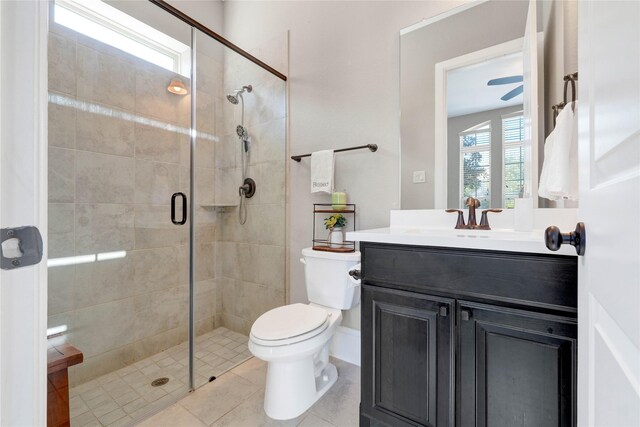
507,81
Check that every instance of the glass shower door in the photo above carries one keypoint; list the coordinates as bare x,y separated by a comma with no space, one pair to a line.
119,148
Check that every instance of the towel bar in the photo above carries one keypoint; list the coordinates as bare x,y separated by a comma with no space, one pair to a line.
372,147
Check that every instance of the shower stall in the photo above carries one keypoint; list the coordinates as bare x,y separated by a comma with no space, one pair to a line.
160,186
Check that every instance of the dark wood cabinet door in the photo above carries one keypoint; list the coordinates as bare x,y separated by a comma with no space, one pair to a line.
407,358
516,368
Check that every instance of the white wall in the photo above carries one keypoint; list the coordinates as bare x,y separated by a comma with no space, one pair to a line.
559,19
343,91
207,12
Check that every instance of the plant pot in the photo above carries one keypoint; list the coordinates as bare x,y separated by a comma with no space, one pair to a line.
336,237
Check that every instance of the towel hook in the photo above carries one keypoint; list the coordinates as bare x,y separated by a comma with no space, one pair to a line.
570,78
556,110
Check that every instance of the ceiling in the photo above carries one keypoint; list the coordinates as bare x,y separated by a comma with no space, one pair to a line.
467,90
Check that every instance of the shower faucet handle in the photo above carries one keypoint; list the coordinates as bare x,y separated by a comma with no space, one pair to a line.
247,189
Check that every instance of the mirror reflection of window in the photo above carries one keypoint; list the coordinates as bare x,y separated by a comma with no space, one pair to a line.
482,97
454,75
475,161
512,158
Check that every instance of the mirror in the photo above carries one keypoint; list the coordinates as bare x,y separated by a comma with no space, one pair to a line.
485,127
473,109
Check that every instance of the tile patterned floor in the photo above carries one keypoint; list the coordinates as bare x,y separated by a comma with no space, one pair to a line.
236,399
126,395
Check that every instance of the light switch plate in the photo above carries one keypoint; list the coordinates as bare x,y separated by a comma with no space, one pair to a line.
419,177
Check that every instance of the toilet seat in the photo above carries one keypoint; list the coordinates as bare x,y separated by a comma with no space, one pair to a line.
289,324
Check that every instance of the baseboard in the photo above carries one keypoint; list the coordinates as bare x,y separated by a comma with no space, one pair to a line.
346,345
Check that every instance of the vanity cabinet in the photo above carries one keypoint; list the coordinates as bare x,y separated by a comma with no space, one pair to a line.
410,356
516,368
459,337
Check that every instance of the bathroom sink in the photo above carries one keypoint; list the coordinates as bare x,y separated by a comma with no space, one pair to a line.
479,234
497,240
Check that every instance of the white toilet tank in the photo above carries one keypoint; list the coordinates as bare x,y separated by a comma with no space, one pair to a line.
327,278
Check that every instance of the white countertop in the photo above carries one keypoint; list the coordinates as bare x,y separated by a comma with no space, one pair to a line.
435,227
494,240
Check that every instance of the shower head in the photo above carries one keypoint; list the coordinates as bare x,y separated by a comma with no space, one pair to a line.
244,137
234,97
242,132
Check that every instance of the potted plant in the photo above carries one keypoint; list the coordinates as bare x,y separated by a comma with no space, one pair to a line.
335,224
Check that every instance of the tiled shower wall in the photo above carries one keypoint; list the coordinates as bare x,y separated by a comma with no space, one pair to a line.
119,148
250,258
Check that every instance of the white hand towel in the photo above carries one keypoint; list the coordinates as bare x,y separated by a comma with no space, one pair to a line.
559,177
322,171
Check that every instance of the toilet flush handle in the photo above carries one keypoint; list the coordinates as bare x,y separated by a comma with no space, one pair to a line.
355,274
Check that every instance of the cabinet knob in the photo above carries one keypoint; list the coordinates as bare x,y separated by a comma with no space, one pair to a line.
465,315
444,311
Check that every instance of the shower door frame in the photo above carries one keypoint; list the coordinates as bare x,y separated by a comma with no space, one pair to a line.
192,210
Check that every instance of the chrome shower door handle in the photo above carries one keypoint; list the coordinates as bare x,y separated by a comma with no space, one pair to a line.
184,209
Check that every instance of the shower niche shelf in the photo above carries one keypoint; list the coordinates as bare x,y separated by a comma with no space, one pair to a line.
324,210
220,207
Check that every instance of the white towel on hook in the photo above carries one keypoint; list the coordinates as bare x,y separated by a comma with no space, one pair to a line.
322,171
559,177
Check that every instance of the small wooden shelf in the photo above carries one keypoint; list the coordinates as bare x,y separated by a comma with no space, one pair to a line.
333,211
329,249
319,241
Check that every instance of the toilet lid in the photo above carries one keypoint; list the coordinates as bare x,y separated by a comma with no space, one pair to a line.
288,321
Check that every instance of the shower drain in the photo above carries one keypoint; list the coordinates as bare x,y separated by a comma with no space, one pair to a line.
159,381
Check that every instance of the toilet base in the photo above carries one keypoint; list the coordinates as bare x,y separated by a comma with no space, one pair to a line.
326,380
292,387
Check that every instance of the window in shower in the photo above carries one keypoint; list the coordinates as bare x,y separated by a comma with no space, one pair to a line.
109,25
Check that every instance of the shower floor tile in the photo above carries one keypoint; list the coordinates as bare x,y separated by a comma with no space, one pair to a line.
126,395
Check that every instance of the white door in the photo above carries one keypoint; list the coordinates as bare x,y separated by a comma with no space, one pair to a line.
23,201
609,273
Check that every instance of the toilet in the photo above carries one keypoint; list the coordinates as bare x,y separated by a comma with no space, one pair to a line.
294,339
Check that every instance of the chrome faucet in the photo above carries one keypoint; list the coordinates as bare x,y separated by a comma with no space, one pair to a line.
473,203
